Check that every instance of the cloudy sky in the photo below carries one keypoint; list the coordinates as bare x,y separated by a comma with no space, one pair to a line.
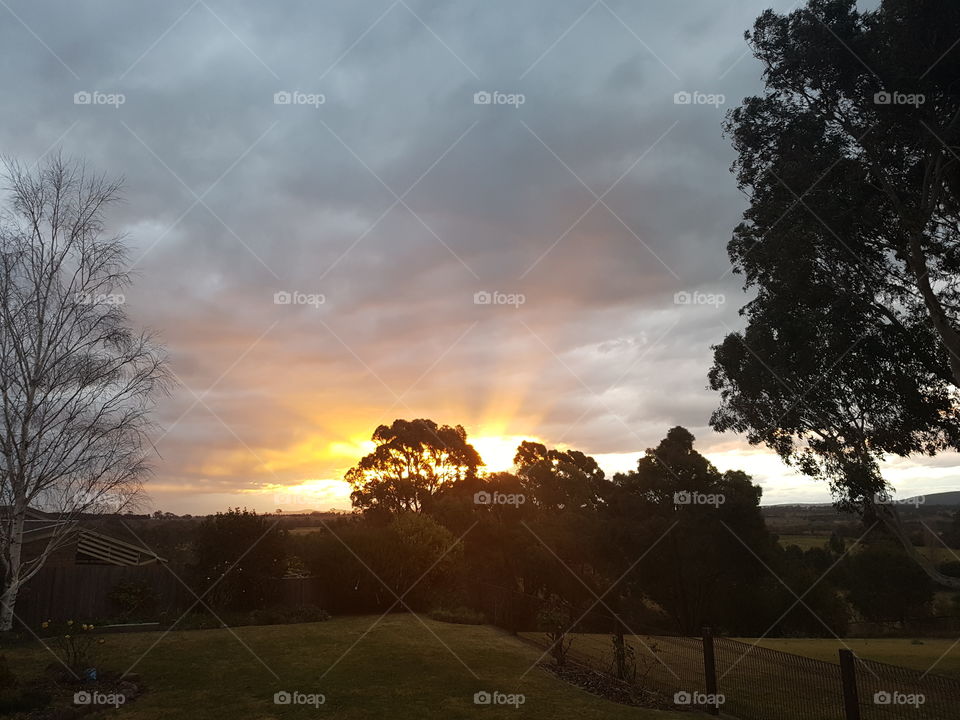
341,213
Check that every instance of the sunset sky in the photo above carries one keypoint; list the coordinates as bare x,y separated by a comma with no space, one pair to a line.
384,197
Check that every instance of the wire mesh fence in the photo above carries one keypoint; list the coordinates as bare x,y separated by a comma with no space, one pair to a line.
887,692
740,679
763,684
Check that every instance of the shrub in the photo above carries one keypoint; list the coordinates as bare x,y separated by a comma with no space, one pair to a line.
133,598
75,642
554,619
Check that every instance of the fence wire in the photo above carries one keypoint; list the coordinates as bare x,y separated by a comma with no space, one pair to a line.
890,692
763,684
756,683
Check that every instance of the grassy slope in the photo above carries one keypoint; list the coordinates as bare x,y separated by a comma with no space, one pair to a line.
398,671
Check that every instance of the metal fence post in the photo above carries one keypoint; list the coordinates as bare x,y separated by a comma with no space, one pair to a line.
848,676
710,668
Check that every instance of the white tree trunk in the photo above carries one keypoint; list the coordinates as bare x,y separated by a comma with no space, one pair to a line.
11,576
8,602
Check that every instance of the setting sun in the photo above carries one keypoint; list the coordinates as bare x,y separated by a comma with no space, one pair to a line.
497,451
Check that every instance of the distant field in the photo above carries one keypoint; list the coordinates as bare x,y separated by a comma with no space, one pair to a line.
805,542
305,530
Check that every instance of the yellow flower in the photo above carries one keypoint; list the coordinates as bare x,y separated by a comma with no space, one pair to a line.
45,624
69,622
66,637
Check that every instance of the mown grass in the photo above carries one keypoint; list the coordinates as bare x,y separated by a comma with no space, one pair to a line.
399,671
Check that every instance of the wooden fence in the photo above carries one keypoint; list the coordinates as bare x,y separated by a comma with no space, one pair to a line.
82,593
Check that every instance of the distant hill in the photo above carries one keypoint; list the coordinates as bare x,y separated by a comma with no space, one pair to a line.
950,498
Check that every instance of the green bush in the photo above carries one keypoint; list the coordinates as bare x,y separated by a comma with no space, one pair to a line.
133,599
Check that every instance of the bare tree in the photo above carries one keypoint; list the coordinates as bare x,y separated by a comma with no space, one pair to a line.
77,383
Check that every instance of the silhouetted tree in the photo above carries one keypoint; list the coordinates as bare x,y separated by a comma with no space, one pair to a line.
852,348
874,592
414,461
559,479
696,529
241,555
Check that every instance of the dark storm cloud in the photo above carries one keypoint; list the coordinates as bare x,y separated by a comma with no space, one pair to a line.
397,199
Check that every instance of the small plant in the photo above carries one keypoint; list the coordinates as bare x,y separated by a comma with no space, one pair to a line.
74,641
554,619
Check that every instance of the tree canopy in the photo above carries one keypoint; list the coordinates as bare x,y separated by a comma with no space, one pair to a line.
414,461
849,241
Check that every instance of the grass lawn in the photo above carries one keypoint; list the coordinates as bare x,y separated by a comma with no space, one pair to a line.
398,671
894,651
